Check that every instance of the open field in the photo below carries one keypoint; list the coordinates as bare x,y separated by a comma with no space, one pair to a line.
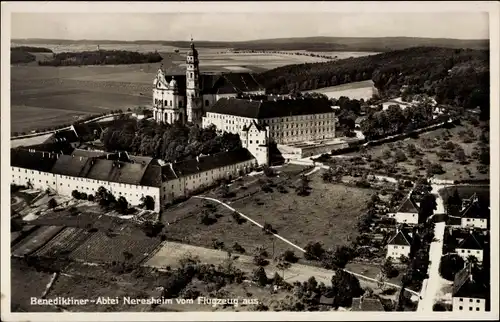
328,215
357,90
25,283
429,144
43,96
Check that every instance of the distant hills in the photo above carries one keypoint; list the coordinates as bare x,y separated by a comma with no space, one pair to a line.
380,44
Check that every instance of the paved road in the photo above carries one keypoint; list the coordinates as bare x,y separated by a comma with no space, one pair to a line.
434,282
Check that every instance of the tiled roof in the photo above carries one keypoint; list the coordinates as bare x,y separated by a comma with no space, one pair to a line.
366,304
220,83
468,285
401,238
270,109
88,153
476,210
117,171
472,241
257,126
409,206
152,176
55,147
85,129
209,162
68,165
167,173
64,136
39,161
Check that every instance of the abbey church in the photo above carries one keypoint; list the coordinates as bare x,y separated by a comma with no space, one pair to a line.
185,98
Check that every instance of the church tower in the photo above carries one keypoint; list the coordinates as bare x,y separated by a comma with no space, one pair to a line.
193,106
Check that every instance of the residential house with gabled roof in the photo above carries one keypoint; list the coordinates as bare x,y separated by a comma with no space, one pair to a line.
470,293
399,245
366,304
254,138
472,245
475,215
407,213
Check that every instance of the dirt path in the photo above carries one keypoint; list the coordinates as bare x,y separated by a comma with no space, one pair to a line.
170,253
366,278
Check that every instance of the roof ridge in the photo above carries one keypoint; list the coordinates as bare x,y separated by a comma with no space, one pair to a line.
231,83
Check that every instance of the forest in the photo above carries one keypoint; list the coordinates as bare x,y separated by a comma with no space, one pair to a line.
457,77
21,57
23,54
31,49
101,57
164,141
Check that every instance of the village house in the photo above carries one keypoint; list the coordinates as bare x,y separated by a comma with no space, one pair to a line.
399,245
472,245
407,213
469,293
475,215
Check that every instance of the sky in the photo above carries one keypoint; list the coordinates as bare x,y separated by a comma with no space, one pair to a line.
249,26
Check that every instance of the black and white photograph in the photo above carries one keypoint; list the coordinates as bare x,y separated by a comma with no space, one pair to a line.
249,160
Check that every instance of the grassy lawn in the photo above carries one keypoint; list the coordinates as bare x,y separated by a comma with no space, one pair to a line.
429,144
25,283
372,271
328,215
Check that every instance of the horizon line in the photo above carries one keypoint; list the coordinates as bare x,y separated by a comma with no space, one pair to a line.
259,39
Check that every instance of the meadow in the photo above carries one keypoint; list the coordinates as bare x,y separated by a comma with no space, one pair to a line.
356,90
329,215
43,97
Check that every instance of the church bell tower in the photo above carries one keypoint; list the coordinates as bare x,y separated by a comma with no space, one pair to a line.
193,102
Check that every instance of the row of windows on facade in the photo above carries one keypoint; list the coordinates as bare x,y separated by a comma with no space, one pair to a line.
277,119
286,126
470,308
470,300
468,219
124,185
158,101
87,188
469,251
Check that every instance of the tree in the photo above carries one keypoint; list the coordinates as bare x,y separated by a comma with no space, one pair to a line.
303,187
122,205
283,265
267,228
223,191
453,203
314,251
450,265
52,203
400,156
460,156
345,286
75,194
427,206
290,256
268,171
147,202
259,275
388,269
